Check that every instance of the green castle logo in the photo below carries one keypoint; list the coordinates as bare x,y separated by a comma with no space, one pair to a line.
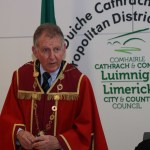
124,48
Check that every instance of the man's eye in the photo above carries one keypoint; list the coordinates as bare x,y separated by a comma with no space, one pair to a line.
56,49
45,50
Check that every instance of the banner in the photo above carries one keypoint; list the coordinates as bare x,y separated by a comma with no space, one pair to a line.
109,41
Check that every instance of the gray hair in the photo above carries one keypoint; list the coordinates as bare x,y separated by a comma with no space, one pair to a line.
50,30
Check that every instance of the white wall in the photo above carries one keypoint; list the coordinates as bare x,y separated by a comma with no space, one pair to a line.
123,128
18,20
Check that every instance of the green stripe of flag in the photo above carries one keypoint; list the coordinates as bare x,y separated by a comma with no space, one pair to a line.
47,12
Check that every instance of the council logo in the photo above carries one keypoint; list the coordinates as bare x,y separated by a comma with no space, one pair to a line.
122,45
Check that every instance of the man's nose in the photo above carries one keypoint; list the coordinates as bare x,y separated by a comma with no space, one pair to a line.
51,54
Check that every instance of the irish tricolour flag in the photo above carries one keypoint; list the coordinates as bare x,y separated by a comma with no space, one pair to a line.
47,12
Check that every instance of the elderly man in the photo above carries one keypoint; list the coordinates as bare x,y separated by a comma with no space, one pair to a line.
50,104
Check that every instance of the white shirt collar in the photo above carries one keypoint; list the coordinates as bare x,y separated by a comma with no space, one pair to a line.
53,75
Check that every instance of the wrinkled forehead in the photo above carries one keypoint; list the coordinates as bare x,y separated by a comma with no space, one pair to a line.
46,35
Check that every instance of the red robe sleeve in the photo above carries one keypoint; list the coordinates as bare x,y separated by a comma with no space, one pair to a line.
11,118
86,132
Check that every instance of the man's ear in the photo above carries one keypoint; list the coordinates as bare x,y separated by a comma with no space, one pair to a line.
34,51
64,47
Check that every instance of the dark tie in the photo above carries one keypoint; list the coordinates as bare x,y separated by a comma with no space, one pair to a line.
45,85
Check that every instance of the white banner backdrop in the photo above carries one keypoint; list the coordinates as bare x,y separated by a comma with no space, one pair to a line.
108,40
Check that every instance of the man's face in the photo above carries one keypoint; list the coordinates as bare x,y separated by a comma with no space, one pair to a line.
50,52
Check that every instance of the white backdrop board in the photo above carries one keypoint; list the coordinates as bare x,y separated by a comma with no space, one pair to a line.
108,40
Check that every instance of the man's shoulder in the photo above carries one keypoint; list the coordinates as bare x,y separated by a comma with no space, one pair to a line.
71,67
26,68
72,72
29,64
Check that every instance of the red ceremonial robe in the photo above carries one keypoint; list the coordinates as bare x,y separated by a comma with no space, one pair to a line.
68,110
